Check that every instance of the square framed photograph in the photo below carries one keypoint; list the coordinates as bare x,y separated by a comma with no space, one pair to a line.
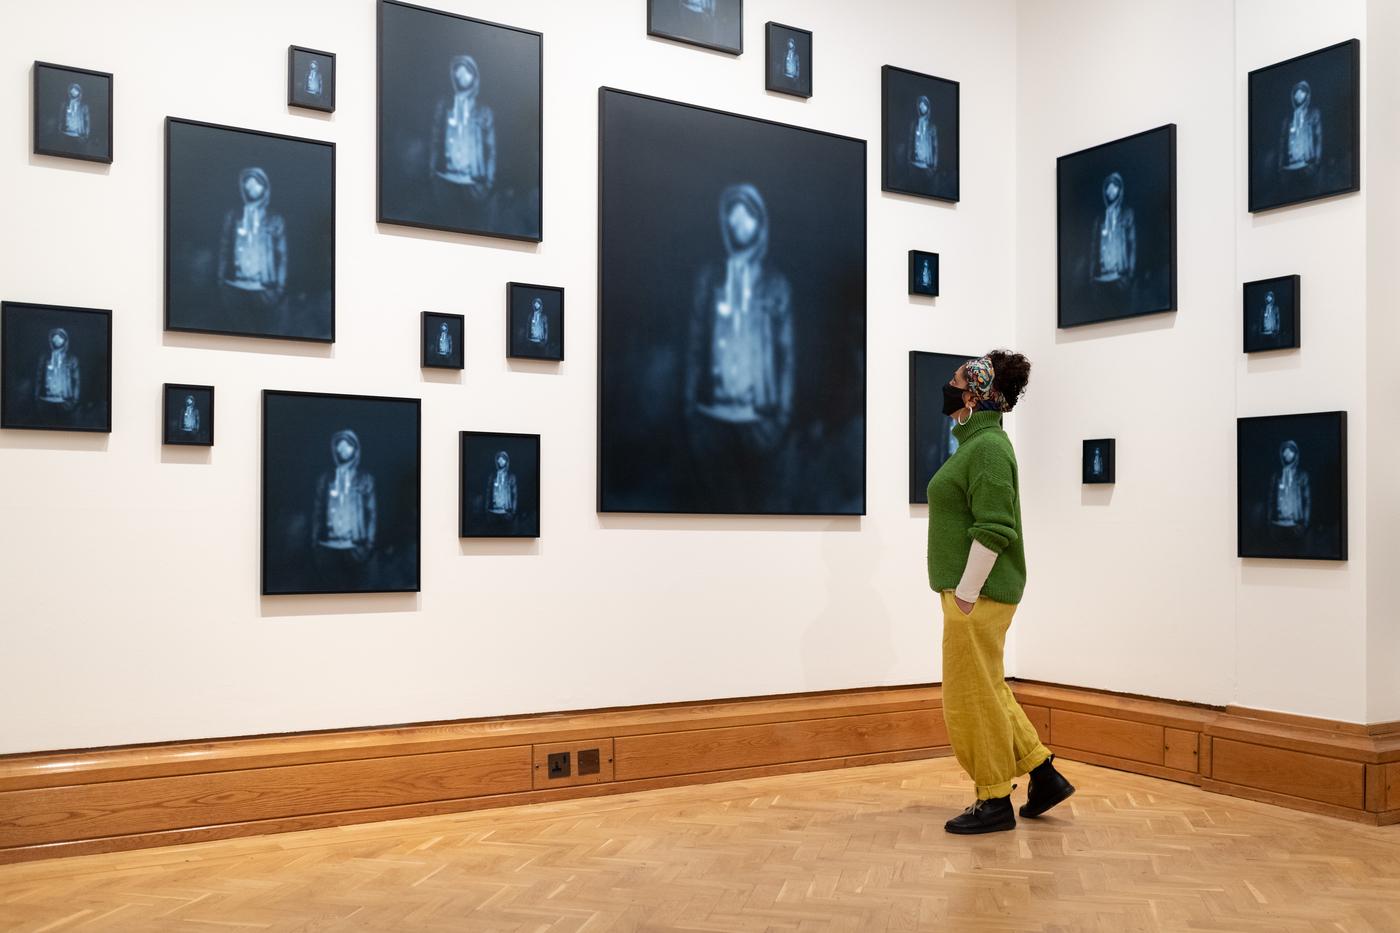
923,273
310,79
788,52
1292,493
710,24
249,232
536,324
931,440
1099,466
1305,127
500,485
460,123
443,340
1116,229
188,415
1273,314
72,112
341,505
919,131
55,367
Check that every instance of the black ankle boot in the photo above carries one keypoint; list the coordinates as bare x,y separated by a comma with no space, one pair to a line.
1048,787
984,816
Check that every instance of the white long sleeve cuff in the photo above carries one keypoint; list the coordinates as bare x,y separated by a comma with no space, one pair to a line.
980,561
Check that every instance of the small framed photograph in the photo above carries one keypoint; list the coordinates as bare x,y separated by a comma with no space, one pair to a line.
1272,314
1305,127
1099,462
189,415
919,134
923,273
500,485
55,367
442,341
710,24
931,440
310,79
72,112
536,321
1292,493
789,57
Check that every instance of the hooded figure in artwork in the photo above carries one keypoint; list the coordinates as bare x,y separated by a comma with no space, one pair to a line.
703,7
313,79
501,488
539,322
792,64
1269,325
444,340
189,416
1096,468
346,512
253,247
1113,252
1290,495
1301,147
923,136
76,123
925,274
464,132
58,379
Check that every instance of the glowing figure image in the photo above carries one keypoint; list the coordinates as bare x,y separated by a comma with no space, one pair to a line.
1269,326
444,341
501,494
313,79
464,133
539,322
58,379
1301,147
253,250
923,135
703,7
189,417
952,438
1290,498
792,64
346,513
76,123
1113,252
1096,468
925,275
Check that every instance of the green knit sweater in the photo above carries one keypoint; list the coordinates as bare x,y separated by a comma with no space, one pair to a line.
975,496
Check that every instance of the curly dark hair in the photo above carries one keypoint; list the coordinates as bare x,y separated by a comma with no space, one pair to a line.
1013,372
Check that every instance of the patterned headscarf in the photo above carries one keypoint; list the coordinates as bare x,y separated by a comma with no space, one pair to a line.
980,376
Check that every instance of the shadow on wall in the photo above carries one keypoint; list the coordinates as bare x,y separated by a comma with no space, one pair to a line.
1106,330
21,439
197,341
623,521
274,607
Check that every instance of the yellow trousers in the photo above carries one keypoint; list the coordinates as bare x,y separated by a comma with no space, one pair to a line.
990,734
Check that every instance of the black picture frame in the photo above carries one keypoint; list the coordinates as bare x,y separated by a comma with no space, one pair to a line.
903,170
1145,280
1311,175
474,512
22,353
1102,472
1277,328
430,355
777,75
194,245
917,283
1268,528
176,427
512,206
931,440
47,139
306,420
303,97
520,314
681,26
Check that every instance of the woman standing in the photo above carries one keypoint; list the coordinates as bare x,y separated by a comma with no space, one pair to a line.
977,562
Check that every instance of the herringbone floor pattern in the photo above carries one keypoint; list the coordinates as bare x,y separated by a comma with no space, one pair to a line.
855,850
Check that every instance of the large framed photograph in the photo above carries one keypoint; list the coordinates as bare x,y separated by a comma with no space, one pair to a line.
460,123
442,341
1100,467
923,273
310,79
249,232
1305,127
710,24
536,321
500,485
1292,475
788,60
1272,314
732,310
340,493
55,367
931,440
919,130
72,112
1116,228
187,415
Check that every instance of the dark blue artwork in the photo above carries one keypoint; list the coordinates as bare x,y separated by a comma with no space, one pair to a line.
311,79
188,415
789,60
712,24
1272,311
1292,497
920,131
536,322
500,480
1099,467
931,440
55,367
923,273
443,336
72,112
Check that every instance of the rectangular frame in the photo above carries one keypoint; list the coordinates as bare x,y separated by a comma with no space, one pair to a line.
462,482
1295,318
768,54
885,183
1109,446
714,47
1340,418
916,417
165,437
292,51
5,423
914,256
510,289
423,340
111,108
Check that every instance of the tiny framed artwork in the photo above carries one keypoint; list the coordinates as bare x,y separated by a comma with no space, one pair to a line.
711,24
536,325
919,134
187,415
442,341
72,112
1272,314
923,273
1292,492
931,439
1099,462
500,485
788,53
310,79
55,368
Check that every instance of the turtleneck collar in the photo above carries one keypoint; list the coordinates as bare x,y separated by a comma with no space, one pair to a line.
976,423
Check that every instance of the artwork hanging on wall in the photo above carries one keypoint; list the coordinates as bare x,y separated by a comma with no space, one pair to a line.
249,232
310,79
1272,313
731,311
711,24
923,273
460,123
931,440
55,367
500,485
789,60
442,341
1305,127
1099,462
72,112
919,131
1292,496
536,321
1116,226
187,415
340,493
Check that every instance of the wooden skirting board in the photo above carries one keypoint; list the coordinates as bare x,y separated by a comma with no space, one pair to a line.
70,803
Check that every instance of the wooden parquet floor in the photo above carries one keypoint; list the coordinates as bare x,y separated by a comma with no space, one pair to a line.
861,849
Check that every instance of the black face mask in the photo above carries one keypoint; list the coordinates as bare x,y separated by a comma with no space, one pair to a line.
952,400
